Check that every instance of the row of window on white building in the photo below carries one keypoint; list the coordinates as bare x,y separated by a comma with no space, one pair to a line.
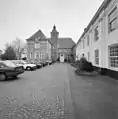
113,49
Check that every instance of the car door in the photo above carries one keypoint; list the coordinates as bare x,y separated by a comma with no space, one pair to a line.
7,70
2,68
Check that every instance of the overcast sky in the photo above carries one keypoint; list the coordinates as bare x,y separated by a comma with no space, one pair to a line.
22,18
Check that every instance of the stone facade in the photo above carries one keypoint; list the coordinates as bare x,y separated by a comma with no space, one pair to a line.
40,48
39,51
62,45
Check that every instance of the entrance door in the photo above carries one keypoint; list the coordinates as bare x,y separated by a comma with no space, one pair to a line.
61,57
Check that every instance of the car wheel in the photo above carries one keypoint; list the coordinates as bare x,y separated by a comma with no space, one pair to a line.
2,77
28,68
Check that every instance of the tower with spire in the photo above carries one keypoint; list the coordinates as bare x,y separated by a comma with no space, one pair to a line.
54,36
54,40
41,48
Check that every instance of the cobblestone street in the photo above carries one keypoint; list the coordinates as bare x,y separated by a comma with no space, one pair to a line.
56,92
40,94
33,110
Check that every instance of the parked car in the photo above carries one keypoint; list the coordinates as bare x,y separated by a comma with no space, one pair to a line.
25,64
39,65
17,62
49,62
9,69
43,63
53,61
46,63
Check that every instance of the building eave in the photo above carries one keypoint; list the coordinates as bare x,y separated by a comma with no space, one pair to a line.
100,9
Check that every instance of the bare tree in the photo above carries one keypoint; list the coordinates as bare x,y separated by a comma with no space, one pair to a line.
19,46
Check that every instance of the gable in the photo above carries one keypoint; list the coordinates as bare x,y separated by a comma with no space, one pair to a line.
36,36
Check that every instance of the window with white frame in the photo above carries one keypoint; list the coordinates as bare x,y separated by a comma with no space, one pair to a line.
88,40
43,47
42,55
39,55
36,55
83,44
96,33
97,56
112,20
43,43
88,56
80,45
113,56
31,54
37,45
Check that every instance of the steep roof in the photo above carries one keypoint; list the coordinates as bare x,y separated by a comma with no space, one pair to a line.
66,43
49,39
38,34
63,42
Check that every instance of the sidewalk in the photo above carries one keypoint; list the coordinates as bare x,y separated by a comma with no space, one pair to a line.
94,97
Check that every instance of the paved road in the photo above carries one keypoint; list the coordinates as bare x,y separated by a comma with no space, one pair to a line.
37,94
55,92
94,97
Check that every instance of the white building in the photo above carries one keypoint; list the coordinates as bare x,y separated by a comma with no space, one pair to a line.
99,41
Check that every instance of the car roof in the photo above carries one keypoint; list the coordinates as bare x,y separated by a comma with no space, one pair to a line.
1,61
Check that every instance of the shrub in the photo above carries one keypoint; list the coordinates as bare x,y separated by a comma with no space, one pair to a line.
89,67
84,65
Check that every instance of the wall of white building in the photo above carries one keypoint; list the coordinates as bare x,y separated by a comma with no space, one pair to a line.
112,37
105,39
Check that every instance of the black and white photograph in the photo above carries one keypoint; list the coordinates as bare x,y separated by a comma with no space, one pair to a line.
58,59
